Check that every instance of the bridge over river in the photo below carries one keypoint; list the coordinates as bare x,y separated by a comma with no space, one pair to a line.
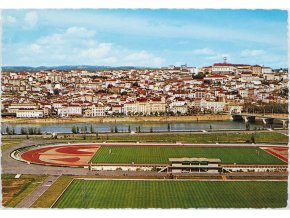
266,118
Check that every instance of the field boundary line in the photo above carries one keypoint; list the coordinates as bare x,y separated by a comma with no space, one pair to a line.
183,180
62,193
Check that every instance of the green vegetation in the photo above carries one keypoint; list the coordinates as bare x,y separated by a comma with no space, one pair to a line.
160,154
173,194
267,108
50,196
7,143
246,137
30,131
15,190
10,131
242,137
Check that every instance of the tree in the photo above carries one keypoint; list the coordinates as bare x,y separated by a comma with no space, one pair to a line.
200,75
129,128
151,129
56,91
92,129
7,130
253,138
35,131
247,126
22,131
97,135
38,131
168,127
74,130
78,130
116,129
210,127
30,131
139,129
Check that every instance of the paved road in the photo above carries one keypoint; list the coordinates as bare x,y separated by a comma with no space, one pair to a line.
30,199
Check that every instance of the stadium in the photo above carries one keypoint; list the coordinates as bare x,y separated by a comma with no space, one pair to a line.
160,173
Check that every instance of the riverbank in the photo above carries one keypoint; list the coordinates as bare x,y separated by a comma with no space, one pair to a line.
117,119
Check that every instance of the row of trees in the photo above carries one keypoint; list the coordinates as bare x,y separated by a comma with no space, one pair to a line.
23,131
138,129
266,108
83,129
30,131
10,131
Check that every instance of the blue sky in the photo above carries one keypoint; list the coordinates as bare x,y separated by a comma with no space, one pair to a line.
143,37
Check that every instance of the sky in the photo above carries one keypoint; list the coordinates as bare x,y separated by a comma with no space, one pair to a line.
152,38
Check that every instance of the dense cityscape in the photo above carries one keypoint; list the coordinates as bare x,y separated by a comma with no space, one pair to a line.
221,87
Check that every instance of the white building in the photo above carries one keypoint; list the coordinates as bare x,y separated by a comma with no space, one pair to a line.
71,110
215,106
98,110
266,70
13,108
29,113
223,68
182,109
130,108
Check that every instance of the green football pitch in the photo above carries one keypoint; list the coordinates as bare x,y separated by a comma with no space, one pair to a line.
160,154
173,194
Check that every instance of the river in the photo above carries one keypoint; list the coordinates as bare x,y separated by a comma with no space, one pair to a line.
144,126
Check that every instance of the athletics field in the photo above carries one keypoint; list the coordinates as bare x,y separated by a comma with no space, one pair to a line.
160,154
173,194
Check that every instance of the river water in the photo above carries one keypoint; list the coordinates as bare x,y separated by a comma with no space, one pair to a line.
144,126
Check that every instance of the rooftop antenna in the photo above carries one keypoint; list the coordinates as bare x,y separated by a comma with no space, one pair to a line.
225,60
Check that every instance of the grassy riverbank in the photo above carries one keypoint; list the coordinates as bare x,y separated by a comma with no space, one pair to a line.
166,137
244,137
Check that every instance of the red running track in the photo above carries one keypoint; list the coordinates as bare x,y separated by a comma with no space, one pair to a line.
64,155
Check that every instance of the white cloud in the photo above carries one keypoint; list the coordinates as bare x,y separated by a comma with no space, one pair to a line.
35,47
138,25
77,45
80,31
252,53
101,51
203,51
30,19
11,19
